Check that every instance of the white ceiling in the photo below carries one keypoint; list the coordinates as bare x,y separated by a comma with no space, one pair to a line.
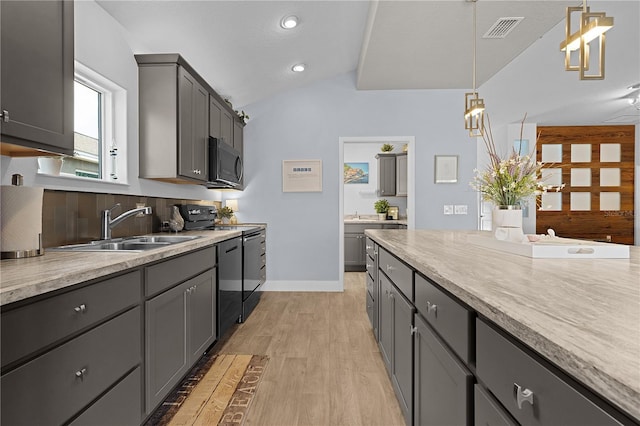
240,50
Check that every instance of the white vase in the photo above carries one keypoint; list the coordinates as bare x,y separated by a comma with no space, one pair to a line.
507,223
510,216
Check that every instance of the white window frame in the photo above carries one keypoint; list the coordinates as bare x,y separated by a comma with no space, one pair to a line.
114,126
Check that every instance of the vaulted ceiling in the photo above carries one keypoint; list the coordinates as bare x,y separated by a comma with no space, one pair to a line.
240,49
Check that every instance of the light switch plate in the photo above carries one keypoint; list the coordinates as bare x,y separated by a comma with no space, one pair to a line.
460,209
448,209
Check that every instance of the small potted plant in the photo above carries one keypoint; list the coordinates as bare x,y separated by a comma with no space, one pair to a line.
381,206
225,214
387,147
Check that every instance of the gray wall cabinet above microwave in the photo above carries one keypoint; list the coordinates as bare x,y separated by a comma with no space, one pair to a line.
37,77
178,113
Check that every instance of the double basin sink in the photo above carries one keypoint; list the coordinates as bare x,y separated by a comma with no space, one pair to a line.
129,244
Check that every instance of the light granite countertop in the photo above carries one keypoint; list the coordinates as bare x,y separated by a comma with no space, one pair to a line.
369,220
24,278
581,314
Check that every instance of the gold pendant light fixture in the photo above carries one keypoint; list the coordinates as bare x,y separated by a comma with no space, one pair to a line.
593,25
473,104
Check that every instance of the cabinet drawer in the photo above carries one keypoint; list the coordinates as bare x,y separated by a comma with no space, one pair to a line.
32,327
369,300
399,273
370,287
450,319
543,398
164,275
488,411
53,387
122,405
371,248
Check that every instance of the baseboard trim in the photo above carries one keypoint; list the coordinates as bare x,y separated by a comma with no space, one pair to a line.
274,285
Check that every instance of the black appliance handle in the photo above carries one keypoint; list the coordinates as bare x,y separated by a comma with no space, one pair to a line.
231,249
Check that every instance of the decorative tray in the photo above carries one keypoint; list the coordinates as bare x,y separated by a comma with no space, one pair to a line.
554,248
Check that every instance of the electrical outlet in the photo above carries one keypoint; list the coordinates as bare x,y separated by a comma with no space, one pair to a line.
140,205
448,209
460,209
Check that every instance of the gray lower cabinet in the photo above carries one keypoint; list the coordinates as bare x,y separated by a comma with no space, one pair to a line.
180,325
37,77
373,290
122,405
53,387
443,386
354,252
63,354
402,357
487,411
532,393
396,342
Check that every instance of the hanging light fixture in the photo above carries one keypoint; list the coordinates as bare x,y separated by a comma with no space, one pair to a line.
473,104
593,25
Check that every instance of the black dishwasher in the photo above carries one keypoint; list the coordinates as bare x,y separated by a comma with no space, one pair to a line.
229,284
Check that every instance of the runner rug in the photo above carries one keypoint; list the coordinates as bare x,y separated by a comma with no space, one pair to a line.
219,390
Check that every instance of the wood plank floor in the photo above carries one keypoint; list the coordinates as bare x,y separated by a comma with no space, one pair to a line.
324,368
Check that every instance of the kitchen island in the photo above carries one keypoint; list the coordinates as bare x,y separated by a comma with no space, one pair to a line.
582,315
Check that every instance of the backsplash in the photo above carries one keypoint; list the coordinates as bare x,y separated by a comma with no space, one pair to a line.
74,217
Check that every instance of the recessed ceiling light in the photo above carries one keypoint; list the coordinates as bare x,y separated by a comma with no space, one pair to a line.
289,22
298,67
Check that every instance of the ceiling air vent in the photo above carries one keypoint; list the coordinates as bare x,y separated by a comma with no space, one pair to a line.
502,27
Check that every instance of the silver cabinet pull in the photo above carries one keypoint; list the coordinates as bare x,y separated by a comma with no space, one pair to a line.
5,115
414,330
390,268
80,309
81,373
432,308
523,395
369,247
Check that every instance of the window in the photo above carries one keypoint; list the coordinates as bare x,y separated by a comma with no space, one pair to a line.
99,129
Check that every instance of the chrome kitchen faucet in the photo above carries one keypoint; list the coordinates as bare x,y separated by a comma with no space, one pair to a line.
107,224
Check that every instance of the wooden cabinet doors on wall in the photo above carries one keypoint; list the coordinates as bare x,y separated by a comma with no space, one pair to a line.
596,165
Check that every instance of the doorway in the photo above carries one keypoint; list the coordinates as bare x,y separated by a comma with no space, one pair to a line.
366,193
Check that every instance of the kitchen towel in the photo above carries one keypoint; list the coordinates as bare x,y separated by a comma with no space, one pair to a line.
20,218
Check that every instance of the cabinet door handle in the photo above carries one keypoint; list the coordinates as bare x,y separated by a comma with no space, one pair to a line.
81,373
432,308
5,115
523,395
414,330
80,309
390,268
369,247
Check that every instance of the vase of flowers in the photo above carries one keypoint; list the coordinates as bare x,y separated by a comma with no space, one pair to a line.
507,181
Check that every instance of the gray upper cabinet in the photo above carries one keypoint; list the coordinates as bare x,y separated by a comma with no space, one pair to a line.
193,116
226,127
215,117
174,121
37,77
401,174
386,175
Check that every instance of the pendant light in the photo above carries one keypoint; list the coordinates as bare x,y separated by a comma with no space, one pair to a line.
473,104
593,25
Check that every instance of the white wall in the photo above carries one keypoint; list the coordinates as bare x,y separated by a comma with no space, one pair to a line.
303,235
360,197
101,44
537,84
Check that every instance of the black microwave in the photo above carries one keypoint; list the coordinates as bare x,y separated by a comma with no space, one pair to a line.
225,164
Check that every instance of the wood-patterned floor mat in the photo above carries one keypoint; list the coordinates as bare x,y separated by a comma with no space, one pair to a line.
219,390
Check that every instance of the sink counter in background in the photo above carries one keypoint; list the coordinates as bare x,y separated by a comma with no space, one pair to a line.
581,314
372,219
24,278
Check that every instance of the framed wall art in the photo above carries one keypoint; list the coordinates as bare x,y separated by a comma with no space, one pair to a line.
446,169
301,175
356,173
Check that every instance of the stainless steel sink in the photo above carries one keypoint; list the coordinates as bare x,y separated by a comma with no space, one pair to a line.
130,244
